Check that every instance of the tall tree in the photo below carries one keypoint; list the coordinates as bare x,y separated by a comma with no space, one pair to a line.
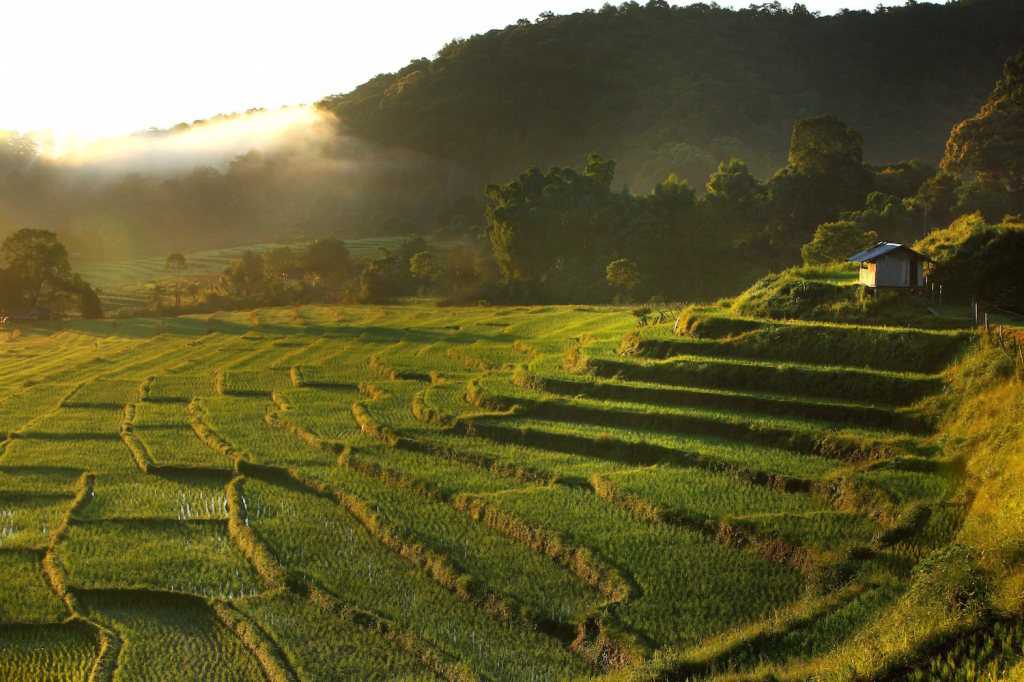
329,260
623,274
825,175
991,143
824,145
425,269
177,264
37,261
246,277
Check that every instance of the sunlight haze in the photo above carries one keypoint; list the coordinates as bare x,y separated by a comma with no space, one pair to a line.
87,70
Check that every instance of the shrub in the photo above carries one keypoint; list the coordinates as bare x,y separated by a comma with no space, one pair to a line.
835,242
976,259
950,577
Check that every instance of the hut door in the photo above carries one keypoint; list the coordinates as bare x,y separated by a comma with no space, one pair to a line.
913,272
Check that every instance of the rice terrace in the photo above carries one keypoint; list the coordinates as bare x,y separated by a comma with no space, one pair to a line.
323,492
636,342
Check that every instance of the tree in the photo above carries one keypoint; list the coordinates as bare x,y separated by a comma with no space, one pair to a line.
424,268
623,274
246,276
177,264
733,185
380,279
824,145
600,170
835,242
9,291
991,143
328,259
975,258
553,229
937,199
89,305
465,269
825,176
36,260
156,295
282,262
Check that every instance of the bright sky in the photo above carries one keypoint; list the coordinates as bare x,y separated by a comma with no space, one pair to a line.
104,67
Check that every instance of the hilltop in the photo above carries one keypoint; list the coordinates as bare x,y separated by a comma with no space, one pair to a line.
677,89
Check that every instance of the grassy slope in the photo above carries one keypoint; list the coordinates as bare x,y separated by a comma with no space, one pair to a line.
444,491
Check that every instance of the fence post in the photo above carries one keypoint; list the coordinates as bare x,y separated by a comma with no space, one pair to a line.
988,330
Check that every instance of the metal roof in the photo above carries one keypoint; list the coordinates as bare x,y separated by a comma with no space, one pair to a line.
880,249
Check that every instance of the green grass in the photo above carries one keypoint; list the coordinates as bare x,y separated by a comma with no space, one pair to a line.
535,581
47,653
866,386
27,517
690,587
27,598
322,645
169,440
397,517
134,495
988,653
305,532
190,557
171,637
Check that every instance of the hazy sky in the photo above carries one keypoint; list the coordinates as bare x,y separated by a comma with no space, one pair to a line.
102,67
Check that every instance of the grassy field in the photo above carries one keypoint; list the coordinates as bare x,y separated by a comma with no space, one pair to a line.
412,492
125,284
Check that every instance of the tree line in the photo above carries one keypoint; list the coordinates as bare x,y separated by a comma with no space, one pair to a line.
36,280
664,88
567,235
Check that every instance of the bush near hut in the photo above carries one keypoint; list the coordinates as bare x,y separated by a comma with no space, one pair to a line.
974,258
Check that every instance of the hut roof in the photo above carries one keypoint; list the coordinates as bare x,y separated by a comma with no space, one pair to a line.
882,248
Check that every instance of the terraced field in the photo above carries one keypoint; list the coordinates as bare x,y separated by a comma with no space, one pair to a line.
415,492
123,283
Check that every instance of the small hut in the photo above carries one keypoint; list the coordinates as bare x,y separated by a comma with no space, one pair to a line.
891,266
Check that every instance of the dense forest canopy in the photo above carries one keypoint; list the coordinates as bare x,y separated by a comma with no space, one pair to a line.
677,89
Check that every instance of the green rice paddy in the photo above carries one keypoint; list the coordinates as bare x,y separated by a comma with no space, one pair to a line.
417,492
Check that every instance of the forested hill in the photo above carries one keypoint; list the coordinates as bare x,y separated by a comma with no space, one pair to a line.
665,89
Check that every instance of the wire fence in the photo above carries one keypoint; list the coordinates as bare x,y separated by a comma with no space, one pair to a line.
1007,337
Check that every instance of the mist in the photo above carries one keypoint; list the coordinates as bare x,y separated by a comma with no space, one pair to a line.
211,142
265,175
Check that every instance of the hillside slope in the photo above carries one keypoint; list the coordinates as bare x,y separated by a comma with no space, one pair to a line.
678,89
324,492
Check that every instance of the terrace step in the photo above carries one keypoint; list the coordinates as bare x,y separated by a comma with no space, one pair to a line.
680,604
626,452
765,404
715,322
900,350
810,437
865,386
